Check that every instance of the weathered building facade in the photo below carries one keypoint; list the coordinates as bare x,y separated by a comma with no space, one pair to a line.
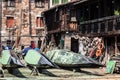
90,18
22,18
60,24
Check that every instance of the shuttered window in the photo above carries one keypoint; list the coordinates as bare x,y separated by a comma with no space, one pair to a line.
10,22
39,22
64,1
54,2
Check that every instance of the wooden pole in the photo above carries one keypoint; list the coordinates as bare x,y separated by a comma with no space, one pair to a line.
116,48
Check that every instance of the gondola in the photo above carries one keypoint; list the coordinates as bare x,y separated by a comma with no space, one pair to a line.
69,59
10,60
38,61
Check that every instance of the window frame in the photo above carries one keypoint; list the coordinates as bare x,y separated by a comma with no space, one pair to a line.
39,3
41,23
10,3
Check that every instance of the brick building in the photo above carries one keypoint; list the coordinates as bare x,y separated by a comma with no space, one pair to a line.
22,18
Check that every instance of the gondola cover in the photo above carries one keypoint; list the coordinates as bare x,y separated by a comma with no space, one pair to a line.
35,58
65,58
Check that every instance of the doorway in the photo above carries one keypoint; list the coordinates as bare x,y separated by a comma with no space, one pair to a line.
74,45
110,41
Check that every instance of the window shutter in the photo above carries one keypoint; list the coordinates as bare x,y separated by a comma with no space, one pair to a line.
10,22
40,22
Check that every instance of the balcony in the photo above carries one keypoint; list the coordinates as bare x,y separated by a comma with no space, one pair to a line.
103,26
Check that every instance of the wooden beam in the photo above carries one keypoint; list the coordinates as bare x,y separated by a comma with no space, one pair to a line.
100,19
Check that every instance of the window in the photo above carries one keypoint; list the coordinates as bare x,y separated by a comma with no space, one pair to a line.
10,3
73,15
64,1
54,2
39,3
57,17
10,22
39,22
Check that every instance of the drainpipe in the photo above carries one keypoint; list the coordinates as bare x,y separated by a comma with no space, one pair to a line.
0,18
0,26
30,26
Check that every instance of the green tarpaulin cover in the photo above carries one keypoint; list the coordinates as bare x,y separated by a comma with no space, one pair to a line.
37,59
32,57
5,59
66,57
